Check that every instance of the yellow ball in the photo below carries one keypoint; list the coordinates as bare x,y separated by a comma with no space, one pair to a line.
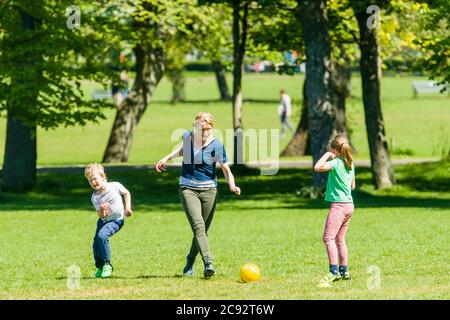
250,272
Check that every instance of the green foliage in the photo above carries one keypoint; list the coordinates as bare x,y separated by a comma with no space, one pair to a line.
214,38
259,18
42,66
435,42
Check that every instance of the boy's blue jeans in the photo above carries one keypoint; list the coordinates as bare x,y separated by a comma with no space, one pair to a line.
102,250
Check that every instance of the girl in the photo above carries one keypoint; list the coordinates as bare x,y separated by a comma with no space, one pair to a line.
341,180
198,186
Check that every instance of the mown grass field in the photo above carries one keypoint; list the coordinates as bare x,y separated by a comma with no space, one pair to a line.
415,127
402,231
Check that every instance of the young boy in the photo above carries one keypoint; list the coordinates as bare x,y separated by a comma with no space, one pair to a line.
107,200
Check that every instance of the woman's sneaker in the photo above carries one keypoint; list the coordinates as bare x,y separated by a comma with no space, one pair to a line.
188,269
208,270
345,276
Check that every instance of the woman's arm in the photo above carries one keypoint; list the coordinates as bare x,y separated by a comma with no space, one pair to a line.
161,165
353,183
230,178
322,165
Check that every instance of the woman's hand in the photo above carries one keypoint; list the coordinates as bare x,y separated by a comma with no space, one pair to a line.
235,190
161,165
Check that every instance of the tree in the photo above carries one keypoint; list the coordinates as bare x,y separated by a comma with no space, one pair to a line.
240,26
41,63
319,86
220,72
174,65
155,25
370,66
435,40
212,38
282,32
215,43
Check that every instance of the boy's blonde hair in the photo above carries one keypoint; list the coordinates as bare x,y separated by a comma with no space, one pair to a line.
93,168
207,116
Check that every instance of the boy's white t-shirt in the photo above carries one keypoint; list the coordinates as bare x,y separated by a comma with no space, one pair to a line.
113,196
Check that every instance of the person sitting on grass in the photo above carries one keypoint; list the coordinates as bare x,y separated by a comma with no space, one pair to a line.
107,200
341,180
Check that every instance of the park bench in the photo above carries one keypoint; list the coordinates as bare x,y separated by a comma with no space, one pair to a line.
426,87
101,94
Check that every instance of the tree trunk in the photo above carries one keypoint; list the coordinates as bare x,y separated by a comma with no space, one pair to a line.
150,69
178,84
219,71
320,105
341,89
19,165
370,64
299,144
239,40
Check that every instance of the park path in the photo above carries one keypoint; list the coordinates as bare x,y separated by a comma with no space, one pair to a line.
282,164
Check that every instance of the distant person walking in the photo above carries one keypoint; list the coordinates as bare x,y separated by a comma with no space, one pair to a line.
285,110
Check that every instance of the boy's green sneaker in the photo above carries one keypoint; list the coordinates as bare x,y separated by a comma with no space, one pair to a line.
98,273
107,271
345,276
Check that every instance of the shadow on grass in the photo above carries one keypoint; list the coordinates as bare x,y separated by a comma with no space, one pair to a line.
153,191
213,101
114,277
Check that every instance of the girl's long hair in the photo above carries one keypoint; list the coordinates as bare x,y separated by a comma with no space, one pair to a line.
340,143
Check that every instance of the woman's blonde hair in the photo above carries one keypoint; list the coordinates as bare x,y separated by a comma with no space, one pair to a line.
94,168
340,144
207,116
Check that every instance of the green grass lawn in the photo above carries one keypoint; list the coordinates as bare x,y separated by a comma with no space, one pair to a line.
415,127
403,231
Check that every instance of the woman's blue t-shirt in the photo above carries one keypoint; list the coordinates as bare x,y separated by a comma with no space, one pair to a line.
199,166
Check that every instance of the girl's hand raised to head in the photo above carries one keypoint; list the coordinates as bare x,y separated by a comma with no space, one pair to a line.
235,190
161,165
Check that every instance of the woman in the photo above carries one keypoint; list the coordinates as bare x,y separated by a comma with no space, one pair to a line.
198,186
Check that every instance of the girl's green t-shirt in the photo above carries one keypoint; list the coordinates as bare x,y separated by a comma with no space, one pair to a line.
339,184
